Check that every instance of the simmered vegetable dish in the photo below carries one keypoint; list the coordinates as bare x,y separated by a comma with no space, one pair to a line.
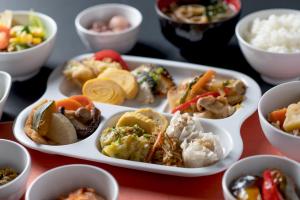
287,119
62,122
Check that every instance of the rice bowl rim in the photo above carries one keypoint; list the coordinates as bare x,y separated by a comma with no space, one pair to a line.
257,14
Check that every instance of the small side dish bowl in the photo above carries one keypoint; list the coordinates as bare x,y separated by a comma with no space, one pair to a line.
24,64
276,98
274,67
66,179
14,156
122,41
195,37
5,84
255,165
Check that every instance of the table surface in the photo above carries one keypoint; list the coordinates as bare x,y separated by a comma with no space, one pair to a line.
136,185
151,43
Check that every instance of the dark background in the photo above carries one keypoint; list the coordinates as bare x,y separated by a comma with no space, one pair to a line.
151,43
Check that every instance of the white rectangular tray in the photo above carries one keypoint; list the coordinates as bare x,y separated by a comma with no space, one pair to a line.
228,129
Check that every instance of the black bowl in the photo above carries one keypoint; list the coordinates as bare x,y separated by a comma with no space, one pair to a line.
192,37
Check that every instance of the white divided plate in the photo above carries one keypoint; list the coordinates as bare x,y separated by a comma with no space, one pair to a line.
227,129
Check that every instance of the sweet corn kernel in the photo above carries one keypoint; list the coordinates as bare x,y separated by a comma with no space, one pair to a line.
37,32
13,40
25,39
36,41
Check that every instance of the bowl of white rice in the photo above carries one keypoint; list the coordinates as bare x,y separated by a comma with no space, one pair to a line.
270,42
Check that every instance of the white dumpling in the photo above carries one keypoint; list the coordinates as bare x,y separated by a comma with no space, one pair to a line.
205,149
183,125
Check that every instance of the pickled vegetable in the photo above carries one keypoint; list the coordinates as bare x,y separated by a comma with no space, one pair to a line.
7,174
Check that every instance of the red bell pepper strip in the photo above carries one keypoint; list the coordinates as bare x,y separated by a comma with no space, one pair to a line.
115,56
4,37
227,90
194,100
270,190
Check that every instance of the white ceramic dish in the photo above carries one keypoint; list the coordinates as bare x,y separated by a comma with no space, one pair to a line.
120,41
17,157
279,97
228,129
5,84
255,165
25,64
274,68
68,178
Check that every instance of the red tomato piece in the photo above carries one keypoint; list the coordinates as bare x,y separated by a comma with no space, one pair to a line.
4,37
115,56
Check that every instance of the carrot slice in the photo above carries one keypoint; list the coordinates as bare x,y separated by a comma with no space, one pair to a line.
83,100
278,115
68,104
199,85
158,142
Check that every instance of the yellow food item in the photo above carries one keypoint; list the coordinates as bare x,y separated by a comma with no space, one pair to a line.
78,73
292,120
100,66
103,90
124,78
160,120
133,118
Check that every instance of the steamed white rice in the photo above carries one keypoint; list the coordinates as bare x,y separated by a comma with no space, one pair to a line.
277,33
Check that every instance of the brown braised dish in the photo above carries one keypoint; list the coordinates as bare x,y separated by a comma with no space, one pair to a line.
62,122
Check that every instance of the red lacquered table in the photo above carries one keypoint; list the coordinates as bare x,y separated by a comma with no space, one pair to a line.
137,185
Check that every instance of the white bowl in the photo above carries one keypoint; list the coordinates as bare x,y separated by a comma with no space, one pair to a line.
17,157
22,65
68,178
279,97
274,68
5,84
255,165
120,41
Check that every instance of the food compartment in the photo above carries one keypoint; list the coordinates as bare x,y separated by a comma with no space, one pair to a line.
161,102
222,97
210,130
141,84
61,121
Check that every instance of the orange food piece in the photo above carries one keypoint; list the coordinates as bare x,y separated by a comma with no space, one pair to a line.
202,81
4,37
68,104
158,142
278,115
83,100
